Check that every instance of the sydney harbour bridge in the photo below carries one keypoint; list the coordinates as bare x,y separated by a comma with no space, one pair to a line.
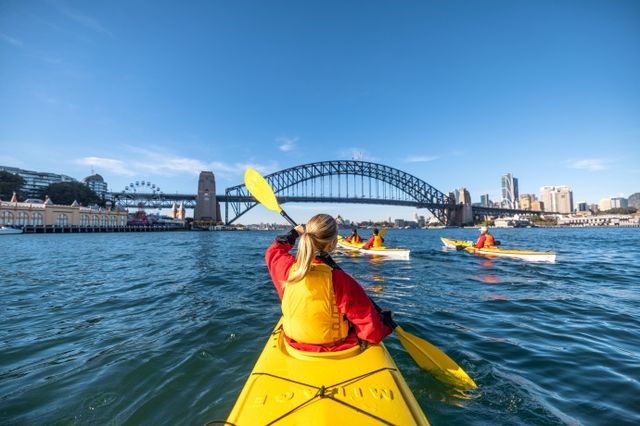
339,181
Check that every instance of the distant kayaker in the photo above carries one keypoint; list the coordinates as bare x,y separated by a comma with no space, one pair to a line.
323,308
354,237
485,239
374,241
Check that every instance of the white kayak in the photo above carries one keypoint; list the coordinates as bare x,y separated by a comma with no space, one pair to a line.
397,253
528,255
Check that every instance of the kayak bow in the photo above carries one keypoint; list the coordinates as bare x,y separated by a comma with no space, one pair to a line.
288,386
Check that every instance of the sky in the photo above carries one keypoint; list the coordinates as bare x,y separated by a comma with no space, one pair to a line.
457,93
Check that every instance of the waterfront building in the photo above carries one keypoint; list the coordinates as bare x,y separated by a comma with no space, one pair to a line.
634,200
527,200
509,191
47,214
96,183
537,206
557,199
36,182
485,201
619,203
512,222
399,223
594,208
601,220
582,206
604,204
178,212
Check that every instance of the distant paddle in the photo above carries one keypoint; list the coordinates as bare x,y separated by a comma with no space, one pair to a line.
426,355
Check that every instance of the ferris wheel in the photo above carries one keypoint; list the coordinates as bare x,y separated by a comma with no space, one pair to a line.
143,192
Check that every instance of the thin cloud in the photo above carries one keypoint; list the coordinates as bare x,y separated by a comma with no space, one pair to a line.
420,158
589,164
10,40
116,167
286,144
83,19
153,163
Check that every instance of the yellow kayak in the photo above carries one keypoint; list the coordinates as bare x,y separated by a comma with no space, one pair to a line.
400,253
352,387
532,256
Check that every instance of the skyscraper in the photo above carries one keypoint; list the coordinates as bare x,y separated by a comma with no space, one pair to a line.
557,199
604,204
619,203
509,191
485,201
526,201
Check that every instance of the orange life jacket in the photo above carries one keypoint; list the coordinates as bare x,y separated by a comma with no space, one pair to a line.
377,241
309,310
489,241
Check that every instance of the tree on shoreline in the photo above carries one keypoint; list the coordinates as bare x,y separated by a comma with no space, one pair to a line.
66,193
10,183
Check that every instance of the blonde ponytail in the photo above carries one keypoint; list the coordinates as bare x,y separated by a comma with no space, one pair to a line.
320,232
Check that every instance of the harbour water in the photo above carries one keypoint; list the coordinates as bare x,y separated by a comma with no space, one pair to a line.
163,328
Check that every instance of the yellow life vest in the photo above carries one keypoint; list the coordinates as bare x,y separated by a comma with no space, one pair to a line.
377,241
310,313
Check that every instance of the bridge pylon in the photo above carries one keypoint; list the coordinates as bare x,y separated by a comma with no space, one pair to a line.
207,206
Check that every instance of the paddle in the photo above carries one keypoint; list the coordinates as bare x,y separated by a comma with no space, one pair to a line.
426,355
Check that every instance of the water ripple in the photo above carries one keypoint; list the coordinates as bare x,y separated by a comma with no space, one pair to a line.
164,328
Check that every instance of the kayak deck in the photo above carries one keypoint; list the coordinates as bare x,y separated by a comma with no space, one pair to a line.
354,387
531,256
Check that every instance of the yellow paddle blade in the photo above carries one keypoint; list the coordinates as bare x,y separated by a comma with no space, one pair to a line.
261,190
433,360
384,231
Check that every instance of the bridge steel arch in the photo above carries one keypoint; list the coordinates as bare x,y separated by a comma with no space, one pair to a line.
416,192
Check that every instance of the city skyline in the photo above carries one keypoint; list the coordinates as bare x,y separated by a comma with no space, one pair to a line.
456,94
552,198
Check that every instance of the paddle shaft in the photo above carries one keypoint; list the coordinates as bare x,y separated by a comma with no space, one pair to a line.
288,218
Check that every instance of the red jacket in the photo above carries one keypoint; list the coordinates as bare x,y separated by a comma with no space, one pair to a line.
351,299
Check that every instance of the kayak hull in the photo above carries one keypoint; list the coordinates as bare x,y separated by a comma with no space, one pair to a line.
398,253
530,256
354,387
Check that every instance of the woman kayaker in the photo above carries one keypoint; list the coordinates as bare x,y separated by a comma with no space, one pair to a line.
323,308
374,241
485,239
354,238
